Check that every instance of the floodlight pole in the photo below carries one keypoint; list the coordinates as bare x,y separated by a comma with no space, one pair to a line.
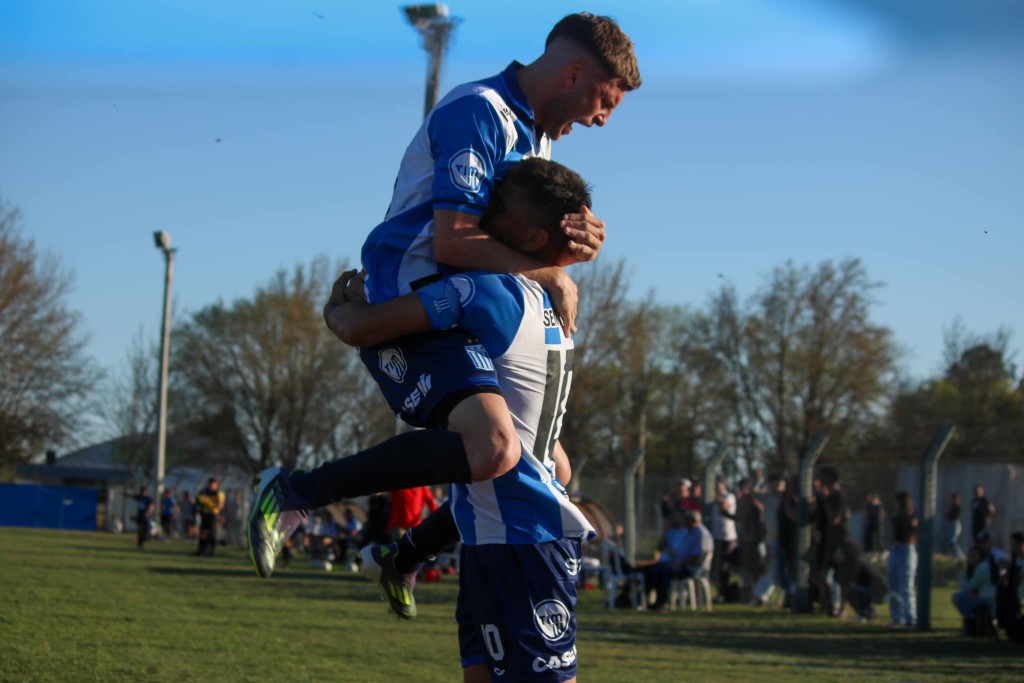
163,243
435,28
926,531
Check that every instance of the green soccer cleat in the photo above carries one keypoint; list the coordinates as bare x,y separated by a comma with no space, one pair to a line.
378,563
276,513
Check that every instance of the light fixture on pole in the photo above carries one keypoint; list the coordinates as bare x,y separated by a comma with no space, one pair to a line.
435,27
163,243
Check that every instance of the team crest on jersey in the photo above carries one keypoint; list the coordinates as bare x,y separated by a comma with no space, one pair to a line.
479,357
465,287
468,170
392,362
552,619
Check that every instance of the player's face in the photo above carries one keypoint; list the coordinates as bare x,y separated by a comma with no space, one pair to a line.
589,103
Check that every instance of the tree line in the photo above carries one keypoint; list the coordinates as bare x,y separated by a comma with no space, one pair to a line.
261,381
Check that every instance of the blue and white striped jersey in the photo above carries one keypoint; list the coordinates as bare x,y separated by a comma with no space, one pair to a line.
513,318
467,142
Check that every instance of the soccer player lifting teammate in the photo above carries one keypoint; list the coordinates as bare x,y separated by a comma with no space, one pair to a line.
521,533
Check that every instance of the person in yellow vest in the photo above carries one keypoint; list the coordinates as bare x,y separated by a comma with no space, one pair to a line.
211,503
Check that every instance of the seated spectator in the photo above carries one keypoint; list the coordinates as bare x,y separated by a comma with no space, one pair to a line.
683,549
861,584
1010,590
978,585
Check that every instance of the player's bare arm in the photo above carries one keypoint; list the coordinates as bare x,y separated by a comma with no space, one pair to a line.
358,323
563,470
459,242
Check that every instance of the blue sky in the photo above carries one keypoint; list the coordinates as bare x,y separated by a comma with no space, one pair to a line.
883,129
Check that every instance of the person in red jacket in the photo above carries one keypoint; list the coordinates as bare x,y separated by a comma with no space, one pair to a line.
407,509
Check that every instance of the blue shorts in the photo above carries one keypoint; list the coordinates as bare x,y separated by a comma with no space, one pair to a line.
421,372
517,609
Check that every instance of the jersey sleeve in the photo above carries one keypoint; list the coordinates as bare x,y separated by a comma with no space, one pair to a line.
488,305
467,142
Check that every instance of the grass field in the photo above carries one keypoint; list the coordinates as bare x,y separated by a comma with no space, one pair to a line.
92,607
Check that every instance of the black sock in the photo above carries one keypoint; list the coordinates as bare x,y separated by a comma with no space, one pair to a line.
434,534
419,458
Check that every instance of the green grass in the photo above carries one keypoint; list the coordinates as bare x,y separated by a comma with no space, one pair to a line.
92,607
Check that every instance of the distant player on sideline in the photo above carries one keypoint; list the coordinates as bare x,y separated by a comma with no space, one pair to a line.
467,143
521,533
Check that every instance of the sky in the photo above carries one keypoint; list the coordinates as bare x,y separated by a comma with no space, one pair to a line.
262,134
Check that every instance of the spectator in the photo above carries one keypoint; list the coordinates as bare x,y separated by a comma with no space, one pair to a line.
211,504
683,550
954,526
783,547
723,529
188,511
677,500
981,512
862,585
1010,590
696,502
378,511
835,532
168,513
750,534
902,567
407,509
350,535
977,586
874,513
143,514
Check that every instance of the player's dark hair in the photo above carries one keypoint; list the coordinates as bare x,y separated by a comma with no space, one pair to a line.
605,41
550,191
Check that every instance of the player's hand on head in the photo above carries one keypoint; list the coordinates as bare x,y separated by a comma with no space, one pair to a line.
586,233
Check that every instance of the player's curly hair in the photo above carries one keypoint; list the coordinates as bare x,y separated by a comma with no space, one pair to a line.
605,41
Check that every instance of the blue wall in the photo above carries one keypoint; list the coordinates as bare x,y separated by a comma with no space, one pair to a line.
48,507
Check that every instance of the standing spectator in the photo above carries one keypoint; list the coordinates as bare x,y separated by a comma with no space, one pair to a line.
143,514
211,504
836,530
168,513
407,509
696,502
378,511
677,500
750,534
188,510
981,512
903,562
782,548
723,530
874,513
954,525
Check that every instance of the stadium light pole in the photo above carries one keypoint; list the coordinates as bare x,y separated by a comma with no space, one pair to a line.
163,243
435,27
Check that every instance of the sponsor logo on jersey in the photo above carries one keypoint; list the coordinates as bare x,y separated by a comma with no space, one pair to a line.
479,358
552,619
550,319
555,662
392,362
412,401
572,566
468,170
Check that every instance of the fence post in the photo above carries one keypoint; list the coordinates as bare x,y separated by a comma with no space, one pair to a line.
630,481
802,561
926,530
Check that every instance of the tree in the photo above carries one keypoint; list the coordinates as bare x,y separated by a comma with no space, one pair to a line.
265,380
46,374
803,357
